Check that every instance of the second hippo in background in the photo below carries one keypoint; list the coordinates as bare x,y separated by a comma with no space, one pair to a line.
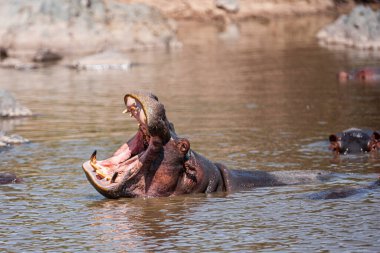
354,141
369,74
345,192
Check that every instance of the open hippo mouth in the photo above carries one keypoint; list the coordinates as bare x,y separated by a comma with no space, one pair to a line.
112,177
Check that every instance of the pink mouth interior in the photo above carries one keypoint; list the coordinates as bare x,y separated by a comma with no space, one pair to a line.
124,161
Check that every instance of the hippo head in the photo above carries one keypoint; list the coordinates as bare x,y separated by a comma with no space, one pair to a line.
354,141
150,164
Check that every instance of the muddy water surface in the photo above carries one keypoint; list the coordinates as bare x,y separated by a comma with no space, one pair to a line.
267,100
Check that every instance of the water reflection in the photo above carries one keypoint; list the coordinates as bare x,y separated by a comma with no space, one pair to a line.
123,222
8,124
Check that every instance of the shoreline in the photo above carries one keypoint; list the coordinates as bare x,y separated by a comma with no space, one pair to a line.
208,11
95,26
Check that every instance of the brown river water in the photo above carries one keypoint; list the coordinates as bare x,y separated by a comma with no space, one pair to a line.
265,100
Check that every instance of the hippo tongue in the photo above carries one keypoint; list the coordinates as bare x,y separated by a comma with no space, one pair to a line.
123,156
125,159
132,147
111,172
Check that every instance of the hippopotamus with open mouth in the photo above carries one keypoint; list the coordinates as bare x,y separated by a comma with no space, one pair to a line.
156,162
354,141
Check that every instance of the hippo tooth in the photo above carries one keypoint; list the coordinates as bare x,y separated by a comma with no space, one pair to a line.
125,111
102,175
114,177
93,156
93,161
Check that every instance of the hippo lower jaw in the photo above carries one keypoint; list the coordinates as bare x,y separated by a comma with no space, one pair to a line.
109,176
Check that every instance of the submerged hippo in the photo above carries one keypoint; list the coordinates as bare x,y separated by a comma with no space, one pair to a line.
344,192
9,178
156,162
363,74
355,140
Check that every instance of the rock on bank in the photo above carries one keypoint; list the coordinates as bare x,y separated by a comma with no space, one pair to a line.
80,27
359,29
235,10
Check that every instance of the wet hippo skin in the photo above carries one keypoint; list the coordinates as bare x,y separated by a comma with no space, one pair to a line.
344,192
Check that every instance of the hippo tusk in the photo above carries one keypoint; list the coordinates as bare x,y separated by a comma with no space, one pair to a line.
102,175
93,156
97,169
127,111
93,161
114,177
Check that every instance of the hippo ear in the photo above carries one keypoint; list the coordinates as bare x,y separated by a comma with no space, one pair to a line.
375,141
334,142
333,138
183,145
376,136
190,171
